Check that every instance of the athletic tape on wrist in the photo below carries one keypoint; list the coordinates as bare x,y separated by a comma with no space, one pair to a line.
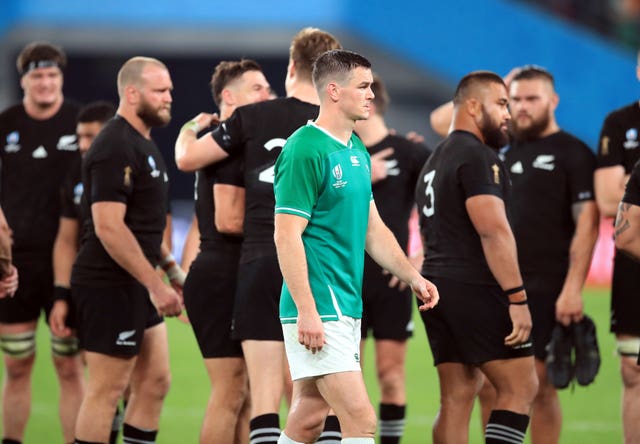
191,125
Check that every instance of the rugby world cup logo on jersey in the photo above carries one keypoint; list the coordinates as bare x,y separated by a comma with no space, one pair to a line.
77,193
632,139
152,163
13,145
336,171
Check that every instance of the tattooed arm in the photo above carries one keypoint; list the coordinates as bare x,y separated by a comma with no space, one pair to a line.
569,305
627,229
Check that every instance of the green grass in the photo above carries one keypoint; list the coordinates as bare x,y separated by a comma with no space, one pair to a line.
591,414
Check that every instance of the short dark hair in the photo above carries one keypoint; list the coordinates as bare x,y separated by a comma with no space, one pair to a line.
306,46
35,53
226,72
471,81
381,99
99,111
532,72
338,63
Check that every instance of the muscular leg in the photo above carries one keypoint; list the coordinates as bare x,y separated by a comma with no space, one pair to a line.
150,380
347,395
546,416
242,426
487,399
390,365
308,412
516,385
107,379
459,385
265,366
229,389
16,393
630,372
71,378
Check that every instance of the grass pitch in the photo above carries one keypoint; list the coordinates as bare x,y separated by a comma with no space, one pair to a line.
591,414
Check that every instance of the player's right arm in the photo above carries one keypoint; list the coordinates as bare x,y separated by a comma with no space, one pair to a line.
191,152
609,183
441,117
65,249
627,229
122,246
293,265
489,218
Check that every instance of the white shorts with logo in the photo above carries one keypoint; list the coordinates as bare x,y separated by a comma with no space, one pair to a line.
341,352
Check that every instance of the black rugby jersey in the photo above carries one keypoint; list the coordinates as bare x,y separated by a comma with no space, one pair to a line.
257,133
394,196
122,166
227,172
548,176
619,138
71,197
36,154
461,167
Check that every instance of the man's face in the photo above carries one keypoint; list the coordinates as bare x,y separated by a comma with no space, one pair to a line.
356,94
532,105
42,86
494,119
154,107
251,87
86,132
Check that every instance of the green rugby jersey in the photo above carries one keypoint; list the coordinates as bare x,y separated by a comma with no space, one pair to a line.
328,183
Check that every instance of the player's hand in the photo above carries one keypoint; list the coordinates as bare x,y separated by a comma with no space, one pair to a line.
206,120
310,330
9,285
426,292
415,137
521,320
166,299
379,164
58,318
569,307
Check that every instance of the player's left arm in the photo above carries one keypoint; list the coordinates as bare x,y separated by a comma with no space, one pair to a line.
569,306
627,229
383,248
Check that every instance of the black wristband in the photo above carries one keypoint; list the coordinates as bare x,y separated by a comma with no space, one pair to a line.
513,290
61,293
523,302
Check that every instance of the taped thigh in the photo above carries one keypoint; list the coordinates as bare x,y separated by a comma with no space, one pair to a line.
64,346
18,345
628,347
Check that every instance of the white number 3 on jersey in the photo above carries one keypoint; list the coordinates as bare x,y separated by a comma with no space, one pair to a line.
430,205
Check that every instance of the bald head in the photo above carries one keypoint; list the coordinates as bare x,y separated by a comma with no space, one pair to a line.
474,85
132,71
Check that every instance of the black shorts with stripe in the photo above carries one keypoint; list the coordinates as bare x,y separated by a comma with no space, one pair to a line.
469,324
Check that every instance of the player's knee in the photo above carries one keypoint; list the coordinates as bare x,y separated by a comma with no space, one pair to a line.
18,346
64,347
460,395
363,420
68,368
630,372
156,386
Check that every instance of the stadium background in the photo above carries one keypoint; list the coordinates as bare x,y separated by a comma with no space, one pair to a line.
419,48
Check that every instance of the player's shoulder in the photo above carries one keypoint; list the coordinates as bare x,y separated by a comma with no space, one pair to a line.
623,114
11,114
572,144
117,136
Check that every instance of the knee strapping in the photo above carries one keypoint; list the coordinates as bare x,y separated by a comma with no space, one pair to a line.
64,346
628,347
18,345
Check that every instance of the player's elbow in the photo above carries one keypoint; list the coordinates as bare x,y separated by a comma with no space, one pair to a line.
229,226
607,207
185,163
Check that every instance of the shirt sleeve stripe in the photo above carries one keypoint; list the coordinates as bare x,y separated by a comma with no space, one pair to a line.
292,210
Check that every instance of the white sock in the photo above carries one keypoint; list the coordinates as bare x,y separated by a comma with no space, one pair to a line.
284,439
358,441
